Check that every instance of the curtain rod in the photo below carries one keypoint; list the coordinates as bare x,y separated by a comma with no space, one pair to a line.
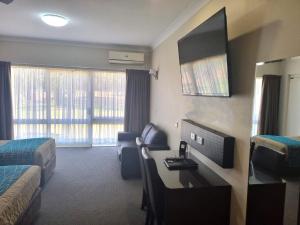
69,67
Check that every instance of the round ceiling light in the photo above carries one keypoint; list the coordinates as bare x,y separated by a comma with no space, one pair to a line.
54,20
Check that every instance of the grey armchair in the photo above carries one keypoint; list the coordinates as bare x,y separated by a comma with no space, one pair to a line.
129,142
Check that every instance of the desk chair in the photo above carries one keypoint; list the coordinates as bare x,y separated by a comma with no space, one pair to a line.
155,212
145,198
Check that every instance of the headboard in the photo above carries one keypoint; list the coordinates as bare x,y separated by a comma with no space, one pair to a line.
215,145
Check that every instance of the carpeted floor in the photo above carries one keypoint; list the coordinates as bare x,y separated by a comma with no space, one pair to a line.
87,189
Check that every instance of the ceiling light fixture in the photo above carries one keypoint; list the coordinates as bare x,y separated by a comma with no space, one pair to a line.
54,20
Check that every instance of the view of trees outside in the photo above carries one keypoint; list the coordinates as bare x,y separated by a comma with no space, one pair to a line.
74,106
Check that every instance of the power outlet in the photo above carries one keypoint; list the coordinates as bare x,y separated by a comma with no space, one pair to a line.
200,140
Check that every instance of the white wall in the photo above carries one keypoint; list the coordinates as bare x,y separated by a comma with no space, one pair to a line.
65,54
289,67
268,69
259,30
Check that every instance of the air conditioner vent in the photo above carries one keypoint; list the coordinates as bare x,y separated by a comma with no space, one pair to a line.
117,57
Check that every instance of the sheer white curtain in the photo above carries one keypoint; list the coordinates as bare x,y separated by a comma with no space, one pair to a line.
70,105
30,94
256,105
76,107
108,105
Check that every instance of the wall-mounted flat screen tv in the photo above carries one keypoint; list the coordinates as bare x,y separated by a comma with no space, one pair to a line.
204,58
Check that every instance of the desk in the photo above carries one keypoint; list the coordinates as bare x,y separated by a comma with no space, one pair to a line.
193,197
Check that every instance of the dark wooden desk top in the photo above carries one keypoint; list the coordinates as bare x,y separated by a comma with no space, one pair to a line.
186,179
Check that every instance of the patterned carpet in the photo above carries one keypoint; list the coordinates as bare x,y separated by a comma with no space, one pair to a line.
87,189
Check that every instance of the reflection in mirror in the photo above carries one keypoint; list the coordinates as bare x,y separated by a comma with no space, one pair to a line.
274,171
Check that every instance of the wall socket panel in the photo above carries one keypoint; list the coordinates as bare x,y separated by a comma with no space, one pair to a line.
193,136
200,140
215,145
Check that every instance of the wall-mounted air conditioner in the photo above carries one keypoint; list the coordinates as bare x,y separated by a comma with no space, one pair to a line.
117,57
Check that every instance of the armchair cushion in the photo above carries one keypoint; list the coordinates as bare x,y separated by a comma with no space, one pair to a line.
156,137
151,147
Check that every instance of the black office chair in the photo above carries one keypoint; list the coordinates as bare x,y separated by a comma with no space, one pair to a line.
155,213
144,179
145,198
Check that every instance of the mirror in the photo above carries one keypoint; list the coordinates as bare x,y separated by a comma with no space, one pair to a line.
274,167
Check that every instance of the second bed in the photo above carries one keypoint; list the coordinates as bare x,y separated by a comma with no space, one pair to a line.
33,151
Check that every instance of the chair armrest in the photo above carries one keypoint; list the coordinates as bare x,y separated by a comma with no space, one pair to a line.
157,147
127,136
128,151
130,166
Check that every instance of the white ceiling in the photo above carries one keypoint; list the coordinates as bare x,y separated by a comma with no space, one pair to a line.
130,22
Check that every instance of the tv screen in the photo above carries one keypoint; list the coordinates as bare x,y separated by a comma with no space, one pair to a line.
203,57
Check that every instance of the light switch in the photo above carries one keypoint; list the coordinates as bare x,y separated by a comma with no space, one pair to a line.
193,136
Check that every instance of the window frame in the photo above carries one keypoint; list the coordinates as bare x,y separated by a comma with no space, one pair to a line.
91,118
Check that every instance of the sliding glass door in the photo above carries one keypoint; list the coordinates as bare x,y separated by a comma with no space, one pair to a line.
69,106
108,105
76,107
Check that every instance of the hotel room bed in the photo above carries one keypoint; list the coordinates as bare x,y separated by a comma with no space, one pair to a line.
19,152
279,154
20,198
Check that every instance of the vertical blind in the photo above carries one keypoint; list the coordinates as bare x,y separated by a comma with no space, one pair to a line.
74,106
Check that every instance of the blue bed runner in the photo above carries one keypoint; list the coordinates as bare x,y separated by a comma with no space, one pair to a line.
289,142
293,147
9,175
20,151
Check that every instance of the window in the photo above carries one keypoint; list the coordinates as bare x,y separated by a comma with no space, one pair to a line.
74,106
256,105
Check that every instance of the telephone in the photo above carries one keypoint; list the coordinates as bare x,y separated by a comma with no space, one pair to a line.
182,148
